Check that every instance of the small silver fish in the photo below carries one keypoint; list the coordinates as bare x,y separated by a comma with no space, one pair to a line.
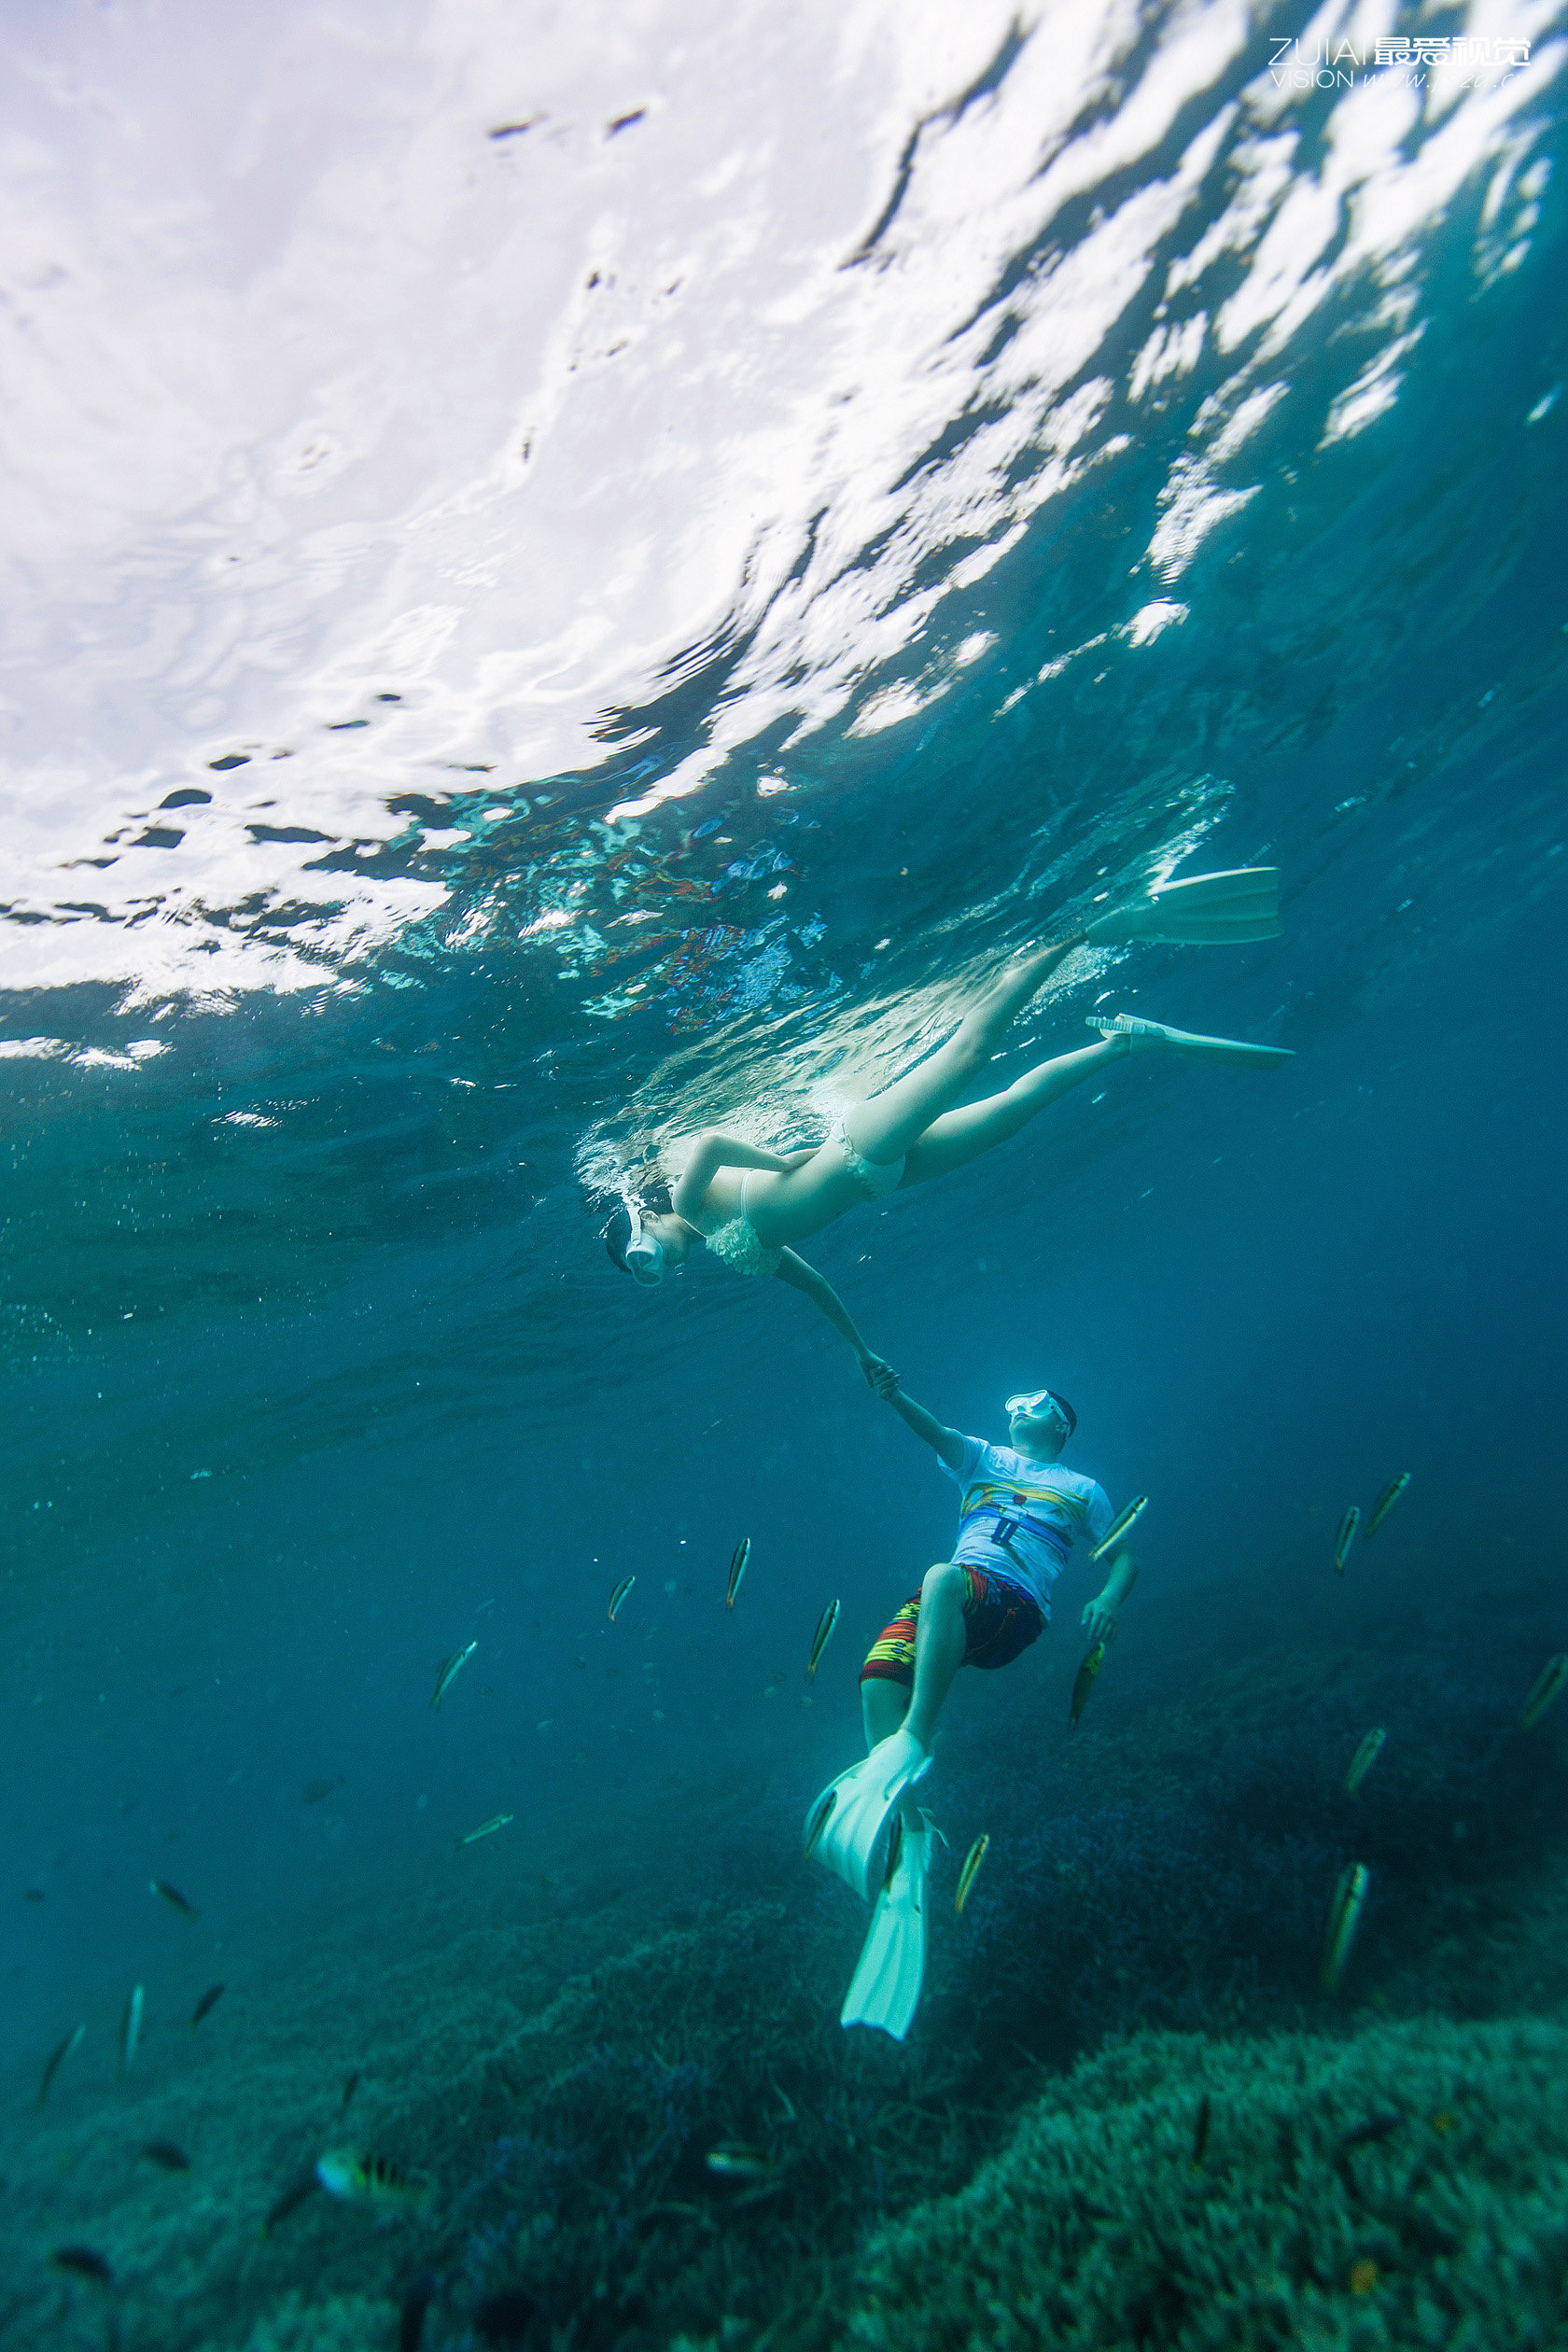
289,2200
86,2261
737,1569
486,1829
817,1819
1348,1526
1363,1760
370,2180
208,2001
1344,1917
1119,1527
57,2057
172,1897
821,1639
1367,2134
450,1669
131,2027
739,2163
967,1876
1083,1683
1385,1503
1547,1686
619,1595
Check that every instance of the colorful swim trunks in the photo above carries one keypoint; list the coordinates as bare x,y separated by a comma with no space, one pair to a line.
1000,1620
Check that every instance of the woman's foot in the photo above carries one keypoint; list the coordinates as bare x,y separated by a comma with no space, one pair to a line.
1141,1035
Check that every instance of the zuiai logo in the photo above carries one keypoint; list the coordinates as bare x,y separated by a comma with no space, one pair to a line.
1338,65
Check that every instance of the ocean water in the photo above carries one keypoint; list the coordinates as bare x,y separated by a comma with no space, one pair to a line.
573,575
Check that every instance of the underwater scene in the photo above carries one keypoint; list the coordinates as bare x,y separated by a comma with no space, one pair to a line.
782,961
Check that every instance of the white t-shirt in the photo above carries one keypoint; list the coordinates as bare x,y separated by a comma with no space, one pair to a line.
1018,1517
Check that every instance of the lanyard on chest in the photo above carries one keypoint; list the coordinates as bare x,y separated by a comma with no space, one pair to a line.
1013,1518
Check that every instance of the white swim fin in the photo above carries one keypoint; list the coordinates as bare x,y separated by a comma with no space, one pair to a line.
885,1989
1207,910
850,1827
1150,1033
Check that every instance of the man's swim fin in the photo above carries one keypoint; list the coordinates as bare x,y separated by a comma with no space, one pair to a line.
1207,910
1146,1034
885,1989
851,1826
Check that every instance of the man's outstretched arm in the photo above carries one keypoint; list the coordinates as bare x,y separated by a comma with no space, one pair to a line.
947,1444
1100,1614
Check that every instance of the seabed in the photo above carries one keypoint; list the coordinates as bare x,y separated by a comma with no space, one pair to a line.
1127,2115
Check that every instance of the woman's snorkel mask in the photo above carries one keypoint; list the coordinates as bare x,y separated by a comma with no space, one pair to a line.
1042,1405
632,1248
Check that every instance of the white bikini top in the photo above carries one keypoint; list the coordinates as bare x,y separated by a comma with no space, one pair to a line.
735,1243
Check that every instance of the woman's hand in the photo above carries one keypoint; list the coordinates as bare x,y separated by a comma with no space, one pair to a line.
781,1163
1099,1615
881,1377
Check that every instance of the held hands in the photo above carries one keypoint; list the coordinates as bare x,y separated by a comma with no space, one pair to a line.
880,1377
1099,1615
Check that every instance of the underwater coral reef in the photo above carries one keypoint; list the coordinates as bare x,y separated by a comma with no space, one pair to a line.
1405,2186
621,2112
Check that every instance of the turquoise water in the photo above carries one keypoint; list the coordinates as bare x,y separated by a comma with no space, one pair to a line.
577,580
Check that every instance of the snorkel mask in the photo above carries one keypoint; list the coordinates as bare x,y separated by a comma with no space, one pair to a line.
644,1254
1040,1405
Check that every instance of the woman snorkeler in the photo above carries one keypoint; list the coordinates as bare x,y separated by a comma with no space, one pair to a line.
749,1207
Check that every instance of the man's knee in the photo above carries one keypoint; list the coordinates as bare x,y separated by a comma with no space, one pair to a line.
944,1587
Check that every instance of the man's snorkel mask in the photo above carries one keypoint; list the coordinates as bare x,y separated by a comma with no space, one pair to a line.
1043,1404
632,1248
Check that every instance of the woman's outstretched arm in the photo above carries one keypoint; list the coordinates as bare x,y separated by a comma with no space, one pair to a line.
712,1152
806,1279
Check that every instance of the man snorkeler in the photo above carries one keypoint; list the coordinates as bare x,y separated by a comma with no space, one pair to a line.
1019,1511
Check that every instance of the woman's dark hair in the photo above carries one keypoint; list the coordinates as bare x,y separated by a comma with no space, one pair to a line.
617,1234
653,1200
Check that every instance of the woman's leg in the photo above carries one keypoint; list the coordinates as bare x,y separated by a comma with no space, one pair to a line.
887,1123
961,1135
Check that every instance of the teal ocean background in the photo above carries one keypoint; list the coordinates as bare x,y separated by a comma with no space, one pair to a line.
576,575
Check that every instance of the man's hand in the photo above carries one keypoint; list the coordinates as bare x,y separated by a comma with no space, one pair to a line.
881,1377
1099,1615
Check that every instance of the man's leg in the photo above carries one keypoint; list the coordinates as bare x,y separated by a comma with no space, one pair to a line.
938,1646
887,1676
887,1701
884,1705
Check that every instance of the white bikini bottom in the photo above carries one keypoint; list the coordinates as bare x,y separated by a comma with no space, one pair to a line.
877,1179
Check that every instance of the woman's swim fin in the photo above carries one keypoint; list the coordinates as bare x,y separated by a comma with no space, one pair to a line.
1148,1033
1205,910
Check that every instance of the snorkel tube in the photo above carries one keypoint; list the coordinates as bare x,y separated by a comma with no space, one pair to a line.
632,1247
